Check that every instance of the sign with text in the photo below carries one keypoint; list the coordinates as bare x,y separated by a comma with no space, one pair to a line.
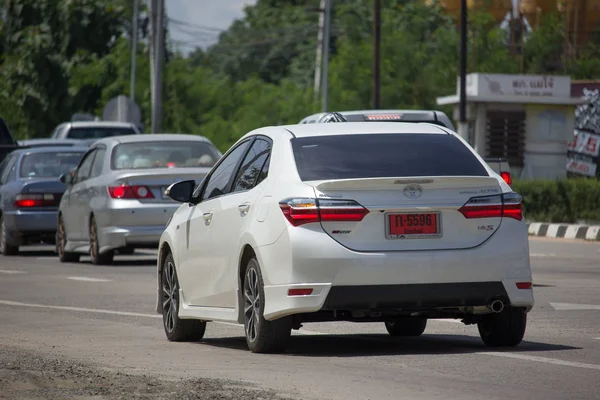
583,153
502,85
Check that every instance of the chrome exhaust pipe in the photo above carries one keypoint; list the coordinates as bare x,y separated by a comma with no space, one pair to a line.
496,306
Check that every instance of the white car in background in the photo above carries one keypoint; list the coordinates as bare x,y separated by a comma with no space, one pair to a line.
300,224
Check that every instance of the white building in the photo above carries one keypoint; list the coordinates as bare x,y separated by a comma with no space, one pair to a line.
528,119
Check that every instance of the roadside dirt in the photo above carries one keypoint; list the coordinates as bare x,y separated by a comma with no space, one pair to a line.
25,375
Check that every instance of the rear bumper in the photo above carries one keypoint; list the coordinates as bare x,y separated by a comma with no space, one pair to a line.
414,297
343,279
31,222
114,237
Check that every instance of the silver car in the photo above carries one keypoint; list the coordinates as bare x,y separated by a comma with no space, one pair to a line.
115,198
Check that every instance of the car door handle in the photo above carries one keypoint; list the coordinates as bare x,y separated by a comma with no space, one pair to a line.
207,218
244,208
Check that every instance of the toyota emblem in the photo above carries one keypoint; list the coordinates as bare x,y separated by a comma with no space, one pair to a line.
413,191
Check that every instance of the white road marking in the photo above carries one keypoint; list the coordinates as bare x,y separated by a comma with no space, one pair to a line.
554,361
12,271
573,307
45,258
84,279
89,310
545,360
542,255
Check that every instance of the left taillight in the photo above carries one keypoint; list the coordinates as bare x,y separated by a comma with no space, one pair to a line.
29,200
300,211
129,192
508,205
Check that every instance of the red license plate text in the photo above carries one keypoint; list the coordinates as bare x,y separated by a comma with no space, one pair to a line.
413,224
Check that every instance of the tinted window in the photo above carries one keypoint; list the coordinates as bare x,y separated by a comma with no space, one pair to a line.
6,167
383,155
98,133
163,154
98,163
48,164
265,171
252,165
83,172
221,176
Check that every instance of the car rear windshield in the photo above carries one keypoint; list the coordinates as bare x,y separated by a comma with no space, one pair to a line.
163,154
383,156
99,133
49,164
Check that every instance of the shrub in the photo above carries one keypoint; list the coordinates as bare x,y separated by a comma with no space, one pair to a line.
567,201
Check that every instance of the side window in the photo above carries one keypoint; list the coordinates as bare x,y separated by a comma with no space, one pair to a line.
83,171
265,171
220,178
13,173
98,163
252,166
6,167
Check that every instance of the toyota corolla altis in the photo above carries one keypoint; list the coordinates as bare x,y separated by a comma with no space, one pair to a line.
394,223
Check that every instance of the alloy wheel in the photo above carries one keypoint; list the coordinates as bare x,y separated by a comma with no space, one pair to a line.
61,238
170,297
93,240
252,301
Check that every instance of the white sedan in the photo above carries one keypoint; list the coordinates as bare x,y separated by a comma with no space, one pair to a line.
390,222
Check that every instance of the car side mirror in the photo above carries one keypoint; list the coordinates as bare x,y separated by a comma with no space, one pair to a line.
67,178
182,191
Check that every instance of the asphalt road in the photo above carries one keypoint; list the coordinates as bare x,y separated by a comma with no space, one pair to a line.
89,332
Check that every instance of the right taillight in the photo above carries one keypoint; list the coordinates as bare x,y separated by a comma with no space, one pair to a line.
129,192
508,205
29,200
506,177
300,211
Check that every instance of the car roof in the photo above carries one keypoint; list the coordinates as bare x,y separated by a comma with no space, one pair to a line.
100,124
349,128
50,149
152,137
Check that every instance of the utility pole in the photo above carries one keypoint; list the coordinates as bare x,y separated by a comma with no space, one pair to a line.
326,43
377,54
134,40
463,125
151,49
158,61
319,56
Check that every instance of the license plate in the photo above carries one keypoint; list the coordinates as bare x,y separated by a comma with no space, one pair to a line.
413,225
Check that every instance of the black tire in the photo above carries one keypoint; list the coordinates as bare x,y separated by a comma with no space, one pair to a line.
505,329
406,327
262,336
97,258
6,248
177,330
61,242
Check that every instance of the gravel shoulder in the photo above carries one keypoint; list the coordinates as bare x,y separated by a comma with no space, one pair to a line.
27,375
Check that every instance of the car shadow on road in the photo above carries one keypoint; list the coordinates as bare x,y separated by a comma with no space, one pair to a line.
120,263
383,345
37,253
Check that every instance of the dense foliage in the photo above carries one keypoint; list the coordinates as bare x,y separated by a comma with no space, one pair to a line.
569,200
58,58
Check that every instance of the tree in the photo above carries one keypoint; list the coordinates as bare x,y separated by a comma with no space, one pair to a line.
43,41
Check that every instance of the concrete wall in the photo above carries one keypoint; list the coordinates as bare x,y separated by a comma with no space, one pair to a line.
549,130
